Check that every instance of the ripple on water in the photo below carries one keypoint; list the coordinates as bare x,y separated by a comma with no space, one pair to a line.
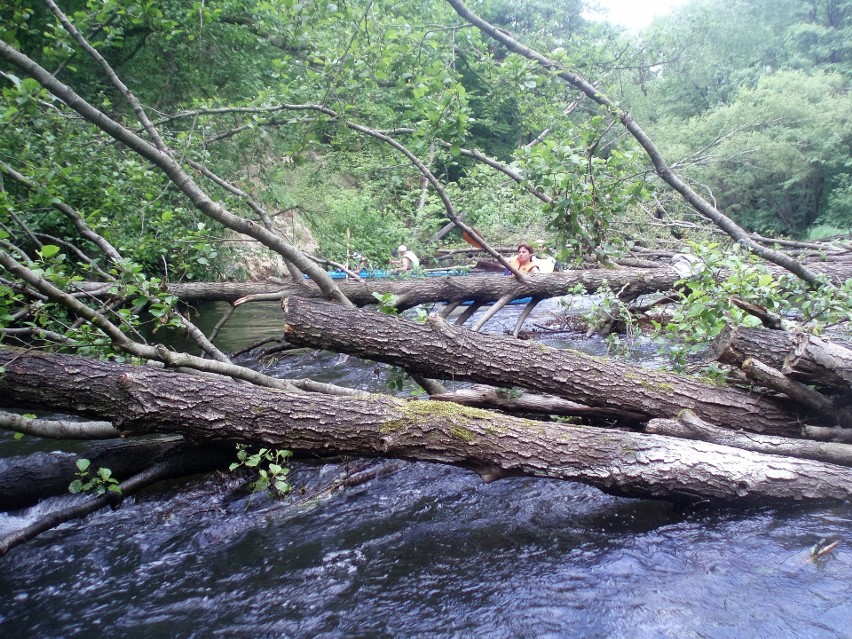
429,551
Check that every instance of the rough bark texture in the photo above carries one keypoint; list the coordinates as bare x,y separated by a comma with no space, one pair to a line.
140,400
687,425
806,358
421,290
437,349
483,288
518,402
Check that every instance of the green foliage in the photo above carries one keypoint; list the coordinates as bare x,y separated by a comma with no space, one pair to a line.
98,483
612,310
751,105
728,273
589,179
784,165
387,303
270,466
396,378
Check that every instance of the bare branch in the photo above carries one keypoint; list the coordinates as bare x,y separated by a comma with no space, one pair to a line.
660,167
166,163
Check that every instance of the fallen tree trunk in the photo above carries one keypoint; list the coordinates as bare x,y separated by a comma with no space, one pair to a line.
26,479
172,465
412,291
806,358
141,400
437,349
689,426
485,289
518,402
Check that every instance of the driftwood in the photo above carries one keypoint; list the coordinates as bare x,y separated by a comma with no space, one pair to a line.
139,400
437,349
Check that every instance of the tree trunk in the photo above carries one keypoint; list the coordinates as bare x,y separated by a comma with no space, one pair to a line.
140,400
484,288
687,425
411,291
520,403
26,479
437,349
806,358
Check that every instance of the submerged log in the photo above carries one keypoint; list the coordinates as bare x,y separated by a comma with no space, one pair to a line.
437,349
141,400
24,480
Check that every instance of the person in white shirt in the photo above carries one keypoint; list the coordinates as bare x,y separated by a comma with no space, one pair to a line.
407,259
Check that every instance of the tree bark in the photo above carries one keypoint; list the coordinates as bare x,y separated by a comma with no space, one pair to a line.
412,291
437,349
139,400
806,358
687,425
516,402
483,288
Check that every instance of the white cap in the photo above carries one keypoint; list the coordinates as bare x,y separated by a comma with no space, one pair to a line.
402,248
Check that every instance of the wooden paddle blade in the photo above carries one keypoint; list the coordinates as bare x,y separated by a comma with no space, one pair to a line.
467,237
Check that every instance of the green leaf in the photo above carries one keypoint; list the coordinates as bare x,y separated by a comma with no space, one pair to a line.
75,486
83,465
48,250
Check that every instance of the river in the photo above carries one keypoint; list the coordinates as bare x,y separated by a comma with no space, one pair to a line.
421,550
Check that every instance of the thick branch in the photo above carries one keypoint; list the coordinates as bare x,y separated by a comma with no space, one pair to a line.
56,428
689,426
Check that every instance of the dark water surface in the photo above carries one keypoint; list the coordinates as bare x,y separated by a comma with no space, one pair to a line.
422,550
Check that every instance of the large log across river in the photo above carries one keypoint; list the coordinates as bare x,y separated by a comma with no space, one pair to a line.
141,400
483,288
409,291
437,349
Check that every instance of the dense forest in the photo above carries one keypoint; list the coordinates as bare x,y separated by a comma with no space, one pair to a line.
159,153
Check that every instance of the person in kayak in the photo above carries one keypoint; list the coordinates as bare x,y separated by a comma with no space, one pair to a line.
408,261
523,261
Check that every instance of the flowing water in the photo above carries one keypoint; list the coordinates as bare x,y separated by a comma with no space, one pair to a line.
420,550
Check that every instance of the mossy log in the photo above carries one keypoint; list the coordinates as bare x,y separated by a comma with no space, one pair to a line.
437,349
140,400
